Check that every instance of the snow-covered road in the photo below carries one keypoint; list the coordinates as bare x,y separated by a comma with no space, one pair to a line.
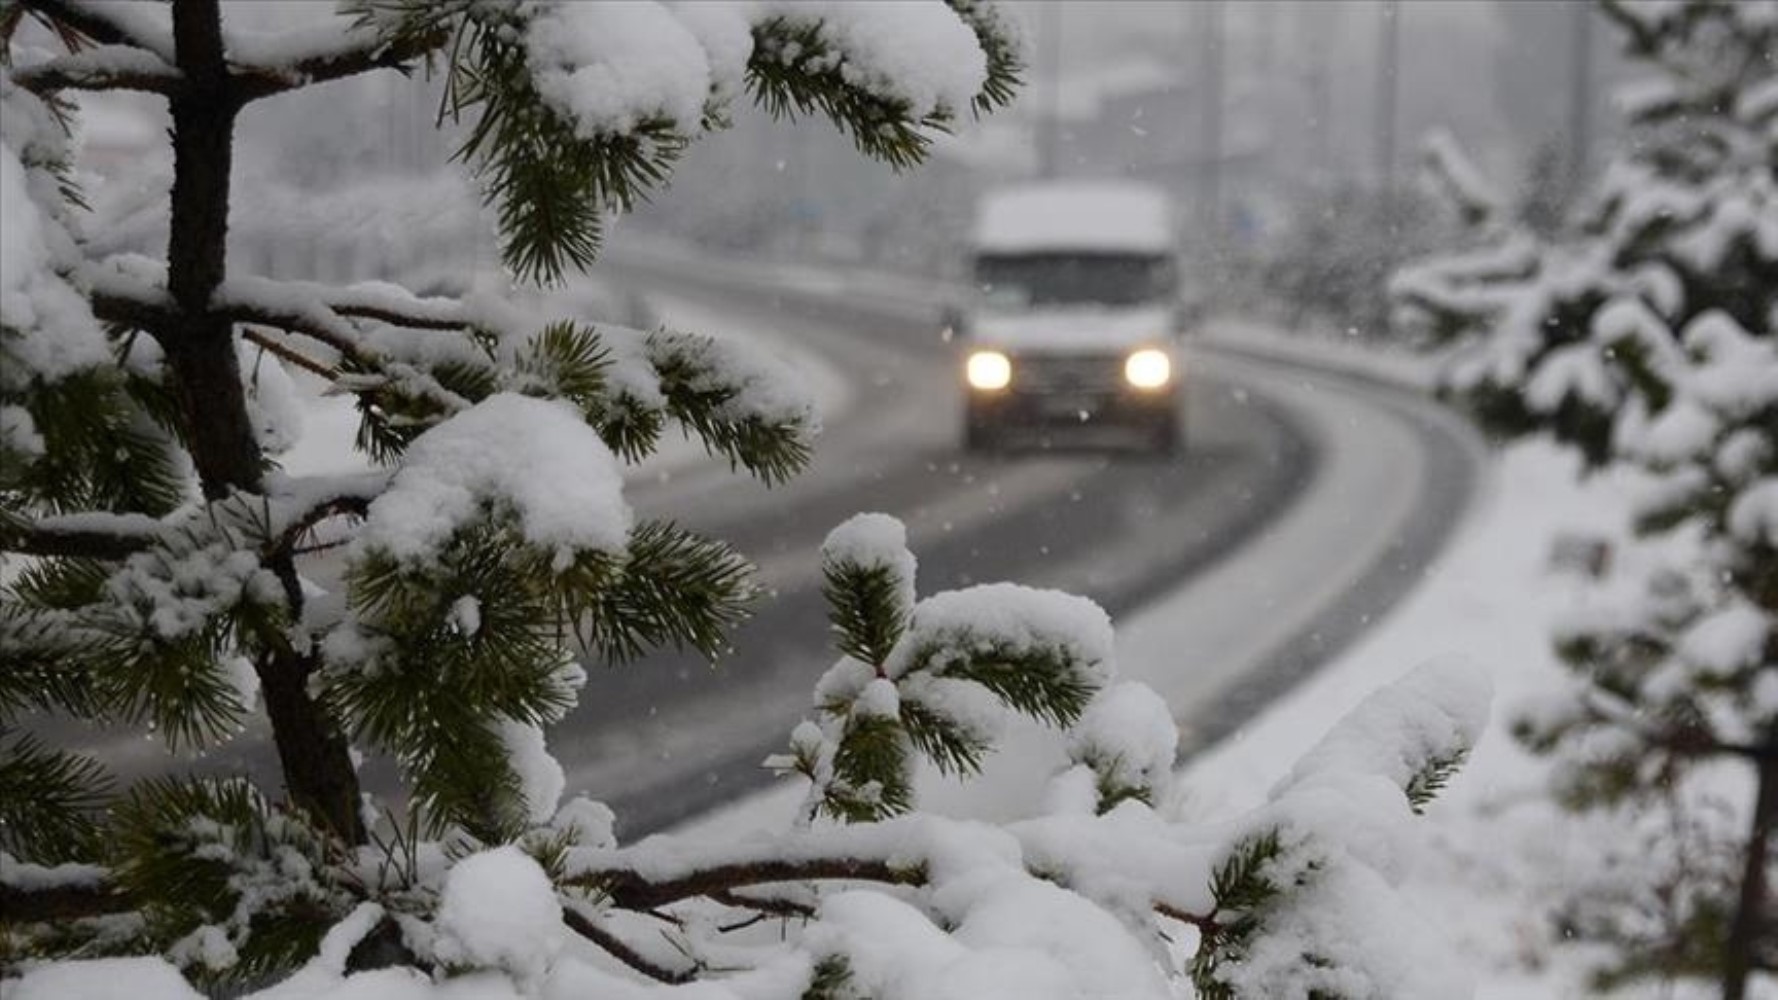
1307,503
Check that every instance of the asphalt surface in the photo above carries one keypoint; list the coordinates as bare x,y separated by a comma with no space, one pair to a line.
671,736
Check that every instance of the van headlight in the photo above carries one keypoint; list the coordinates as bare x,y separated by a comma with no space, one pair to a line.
1148,368
988,370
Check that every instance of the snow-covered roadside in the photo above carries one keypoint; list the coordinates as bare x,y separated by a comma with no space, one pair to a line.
1502,854
1198,638
1330,353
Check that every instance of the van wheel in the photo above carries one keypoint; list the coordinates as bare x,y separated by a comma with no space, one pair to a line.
979,436
1169,436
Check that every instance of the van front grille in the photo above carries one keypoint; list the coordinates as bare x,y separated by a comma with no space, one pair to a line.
1067,373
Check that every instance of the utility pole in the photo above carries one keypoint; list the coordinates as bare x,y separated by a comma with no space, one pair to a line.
1388,86
1580,94
1049,122
1211,87
1315,24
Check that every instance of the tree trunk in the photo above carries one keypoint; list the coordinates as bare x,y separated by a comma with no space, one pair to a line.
201,352
1753,910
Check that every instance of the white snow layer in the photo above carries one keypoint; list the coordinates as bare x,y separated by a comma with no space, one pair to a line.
1018,619
1127,735
1075,215
612,66
59,335
535,457
1435,713
499,910
540,777
870,541
104,979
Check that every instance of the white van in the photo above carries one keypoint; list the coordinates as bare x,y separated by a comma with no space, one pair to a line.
1075,313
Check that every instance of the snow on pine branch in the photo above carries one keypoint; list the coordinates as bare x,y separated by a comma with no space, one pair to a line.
612,67
102,67
935,678
47,329
1079,903
417,360
1310,887
1451,173
1646,337
537,457
585,108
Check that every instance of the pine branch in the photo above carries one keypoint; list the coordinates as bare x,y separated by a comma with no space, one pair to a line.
261,339
108,67
102,450
550,183
631,890
864,609
251,83
795,71
673,587
1425,784
616,948
1241,891
702,395
49,801
1006,62
1646,39
92,20
873,772
35,904
1043,682
86,536
953,749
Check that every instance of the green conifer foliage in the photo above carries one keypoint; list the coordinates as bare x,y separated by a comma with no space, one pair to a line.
1646,337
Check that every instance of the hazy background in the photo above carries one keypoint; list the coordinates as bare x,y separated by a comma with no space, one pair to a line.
1284,127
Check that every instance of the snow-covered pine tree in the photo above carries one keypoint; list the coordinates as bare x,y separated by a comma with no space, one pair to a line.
162,572
1648,337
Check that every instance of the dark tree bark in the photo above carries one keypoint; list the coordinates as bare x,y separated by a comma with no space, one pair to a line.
1753,911
200,347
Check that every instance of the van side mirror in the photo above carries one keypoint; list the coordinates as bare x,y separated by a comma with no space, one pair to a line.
1188,315
953,324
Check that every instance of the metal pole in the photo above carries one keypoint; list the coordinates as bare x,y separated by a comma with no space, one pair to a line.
1314,21
1388,86
1211,120
1580,94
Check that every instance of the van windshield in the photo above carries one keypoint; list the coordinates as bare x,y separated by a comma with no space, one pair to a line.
1026,281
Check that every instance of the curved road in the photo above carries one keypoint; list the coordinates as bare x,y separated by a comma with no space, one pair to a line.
1305,504
670,737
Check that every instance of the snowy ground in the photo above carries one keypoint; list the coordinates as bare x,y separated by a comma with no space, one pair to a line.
1500,853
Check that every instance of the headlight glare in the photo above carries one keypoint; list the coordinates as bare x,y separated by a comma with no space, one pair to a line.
988,370
1148,368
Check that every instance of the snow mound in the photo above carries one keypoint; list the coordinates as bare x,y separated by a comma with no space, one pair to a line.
499,910
535,456
104,979
1435,713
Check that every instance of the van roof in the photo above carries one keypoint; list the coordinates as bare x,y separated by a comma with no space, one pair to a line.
1075,215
